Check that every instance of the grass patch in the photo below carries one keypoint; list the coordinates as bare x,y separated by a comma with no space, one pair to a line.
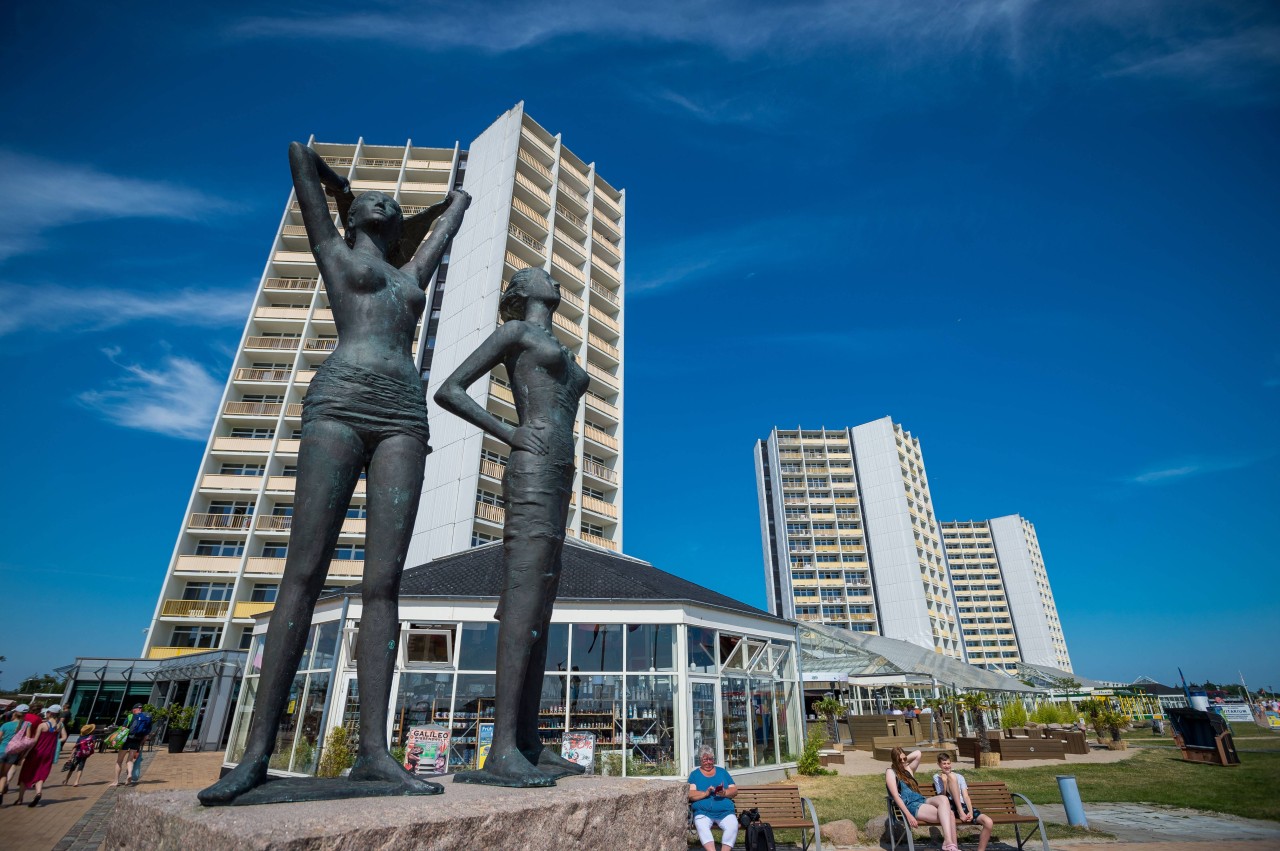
1149,776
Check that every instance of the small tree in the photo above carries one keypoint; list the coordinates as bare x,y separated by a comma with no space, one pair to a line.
937,706
977,702
810,763
337,755
1013,715
831,709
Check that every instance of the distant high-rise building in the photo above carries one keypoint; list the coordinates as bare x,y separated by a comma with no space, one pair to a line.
535,203
1006,607
850,535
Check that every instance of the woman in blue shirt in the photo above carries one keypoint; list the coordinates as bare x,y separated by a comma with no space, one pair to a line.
711,792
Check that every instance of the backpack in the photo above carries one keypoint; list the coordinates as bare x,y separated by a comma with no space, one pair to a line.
141,725
759,833
85,746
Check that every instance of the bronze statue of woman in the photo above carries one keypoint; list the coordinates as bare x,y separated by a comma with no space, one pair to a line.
364,410
547,384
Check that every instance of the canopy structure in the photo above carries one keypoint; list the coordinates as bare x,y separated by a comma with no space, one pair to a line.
873,660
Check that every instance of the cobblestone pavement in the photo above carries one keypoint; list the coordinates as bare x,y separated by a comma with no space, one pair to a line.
74,818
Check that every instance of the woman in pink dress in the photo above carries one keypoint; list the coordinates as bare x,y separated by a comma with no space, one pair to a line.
35,770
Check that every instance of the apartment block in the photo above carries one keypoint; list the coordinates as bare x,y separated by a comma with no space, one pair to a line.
1006,606
850,536
535,203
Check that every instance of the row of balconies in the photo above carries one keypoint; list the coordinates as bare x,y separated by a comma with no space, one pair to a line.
204,609
259,565
252,484
266,522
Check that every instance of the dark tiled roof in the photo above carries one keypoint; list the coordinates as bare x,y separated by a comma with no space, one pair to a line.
589,573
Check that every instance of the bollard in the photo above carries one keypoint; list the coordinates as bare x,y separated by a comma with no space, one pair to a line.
1071,801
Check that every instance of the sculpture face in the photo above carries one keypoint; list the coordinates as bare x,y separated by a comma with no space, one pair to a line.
374,211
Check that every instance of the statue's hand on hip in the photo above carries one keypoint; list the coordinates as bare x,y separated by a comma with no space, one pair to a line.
529,439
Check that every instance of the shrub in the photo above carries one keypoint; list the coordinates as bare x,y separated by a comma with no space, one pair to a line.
809,763
337,755
1013,715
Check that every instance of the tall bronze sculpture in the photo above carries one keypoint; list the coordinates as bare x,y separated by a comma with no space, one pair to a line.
547,384
364,410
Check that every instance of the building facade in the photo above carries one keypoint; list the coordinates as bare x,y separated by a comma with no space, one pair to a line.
1002,591
850,536
535,203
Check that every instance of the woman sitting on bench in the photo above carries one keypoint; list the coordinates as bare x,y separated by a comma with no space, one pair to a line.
900,780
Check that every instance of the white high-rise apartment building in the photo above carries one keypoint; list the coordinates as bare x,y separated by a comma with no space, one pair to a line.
1006,606
850,535
535,203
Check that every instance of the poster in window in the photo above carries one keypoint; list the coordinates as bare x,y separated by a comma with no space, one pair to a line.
484,741
426,750
579,747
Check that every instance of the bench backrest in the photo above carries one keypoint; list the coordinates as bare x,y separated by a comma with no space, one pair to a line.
776,803
992,797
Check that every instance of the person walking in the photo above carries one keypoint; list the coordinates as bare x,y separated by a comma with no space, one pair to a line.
84,749
18,741
139,729
36,767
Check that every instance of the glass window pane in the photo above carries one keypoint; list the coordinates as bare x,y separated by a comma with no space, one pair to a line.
558,647
306,749
785,705
704,719
596,647
762,722
326,644
651,727
702,650
551,712
651,647
305,664
425,648
732,651
595,705
478,647
282,756
472,707
240,723
737,732
421,700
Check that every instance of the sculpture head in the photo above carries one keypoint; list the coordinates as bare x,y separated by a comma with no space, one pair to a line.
375,212
528,285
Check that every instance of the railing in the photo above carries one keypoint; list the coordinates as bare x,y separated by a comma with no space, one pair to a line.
610,205
604,346
431,165
171,652
600,471
566,189
498,391
320,344
567,267
567,324
323,314
379,163
253,374
571,241
208,564
219,521
529,160
608,228
601,437
533,188
492,513
265,564
606,293
607,253
607,378
219,481
599,541
275,522
294,230
294,410
339,160
536,142
562,210
565,165
346,567
530,212
278,343
605,319
536,244
492,469
290,283
249,609
572,298
516,262
241,444
609,271
194,608
253,409
599,506
268,312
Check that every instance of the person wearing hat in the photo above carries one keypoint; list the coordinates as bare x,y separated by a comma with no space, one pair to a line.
36,767
84,749
17,725
139,728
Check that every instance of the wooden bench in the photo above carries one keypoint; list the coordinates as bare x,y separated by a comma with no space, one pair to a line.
991,798
1074,740
783,808
1012,749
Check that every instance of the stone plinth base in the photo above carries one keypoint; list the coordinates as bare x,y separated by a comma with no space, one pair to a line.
580,812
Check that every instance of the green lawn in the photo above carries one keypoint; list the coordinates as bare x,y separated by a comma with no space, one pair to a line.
1152,775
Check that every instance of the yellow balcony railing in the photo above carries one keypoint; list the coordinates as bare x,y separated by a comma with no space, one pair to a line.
170,652
248,610
603,407
599,506
604,346
264,564
607,377
601,437
275,343
599,541
219,521
492,469
567,324
492,513
194,608
208,564
600,472
290,283
605,319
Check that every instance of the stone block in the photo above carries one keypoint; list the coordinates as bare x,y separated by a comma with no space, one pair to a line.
579,812
842,832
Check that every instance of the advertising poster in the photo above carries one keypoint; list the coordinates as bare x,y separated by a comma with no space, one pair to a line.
426,750
484,741
580,748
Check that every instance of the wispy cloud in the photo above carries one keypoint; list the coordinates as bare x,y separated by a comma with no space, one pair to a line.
178,398
41,194
1188,468
58,308
1234,63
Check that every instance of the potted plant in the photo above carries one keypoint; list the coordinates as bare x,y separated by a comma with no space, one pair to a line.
977,703
181,719
1113,721
937,708
831,709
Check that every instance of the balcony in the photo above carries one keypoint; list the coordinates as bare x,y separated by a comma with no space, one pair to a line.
533,189
536,142
610,205
532,162
248,610
237,522
599,506
252,409
290,283
500,392
279,344
600,471
217,481
567,325
599,541
241,444
528,239
601,437
170,652
277,375
304,376
608,228
572,299
605,269
387,186
492,469
430,165
566,240
568,267
600,405
566,190
606,320
264,564
608,378
284,522
323,314
208,564
571,216
515,261
529,213
320,344
606,293
194,608
604,346
565,165
491,513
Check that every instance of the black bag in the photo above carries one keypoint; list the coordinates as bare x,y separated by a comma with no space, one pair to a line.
760,837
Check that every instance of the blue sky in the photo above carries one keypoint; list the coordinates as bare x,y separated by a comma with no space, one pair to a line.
1039,235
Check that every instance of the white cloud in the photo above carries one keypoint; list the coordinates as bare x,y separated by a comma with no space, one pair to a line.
1219,65
178,398
1188,468
41,194
58,308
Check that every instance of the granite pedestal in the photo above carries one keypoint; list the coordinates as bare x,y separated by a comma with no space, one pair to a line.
579,812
